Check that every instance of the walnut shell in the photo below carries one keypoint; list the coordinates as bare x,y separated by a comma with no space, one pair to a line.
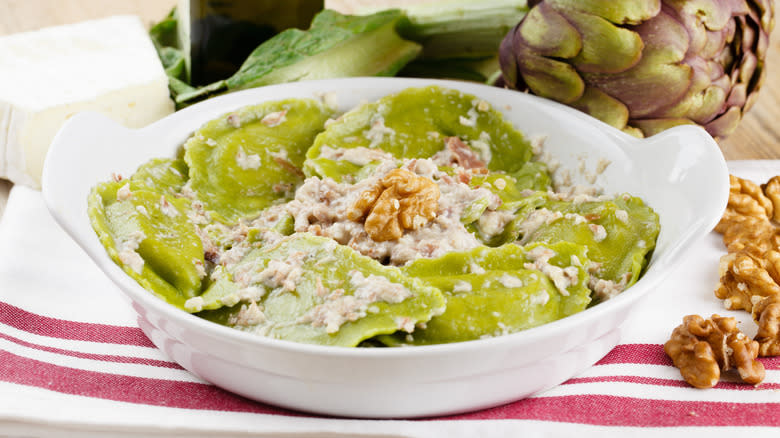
400,201
702,349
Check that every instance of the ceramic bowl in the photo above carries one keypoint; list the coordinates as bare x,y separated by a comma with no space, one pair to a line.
680,173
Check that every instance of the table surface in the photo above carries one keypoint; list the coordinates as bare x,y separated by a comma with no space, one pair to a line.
757,137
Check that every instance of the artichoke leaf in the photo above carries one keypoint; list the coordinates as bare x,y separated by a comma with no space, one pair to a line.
618,12
659,72
725,122
706,98
603,107
711,13
549,33
655,126
550,78
606,48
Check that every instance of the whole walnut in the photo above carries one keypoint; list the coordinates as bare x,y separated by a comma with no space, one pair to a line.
766,313
400,201
746,278
747,199
702,349
772,191
750,272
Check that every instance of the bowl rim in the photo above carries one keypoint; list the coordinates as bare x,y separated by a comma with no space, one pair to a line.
651,276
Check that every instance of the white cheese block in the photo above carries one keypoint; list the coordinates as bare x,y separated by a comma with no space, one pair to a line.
46,76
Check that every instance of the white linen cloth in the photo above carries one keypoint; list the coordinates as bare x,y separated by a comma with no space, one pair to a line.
74,363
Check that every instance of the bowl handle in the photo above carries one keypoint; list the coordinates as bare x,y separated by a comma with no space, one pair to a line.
85,137
693,171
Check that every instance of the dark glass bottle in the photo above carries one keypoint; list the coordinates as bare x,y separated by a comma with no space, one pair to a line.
218,35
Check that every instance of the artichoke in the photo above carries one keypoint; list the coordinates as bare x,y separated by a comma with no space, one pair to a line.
643,65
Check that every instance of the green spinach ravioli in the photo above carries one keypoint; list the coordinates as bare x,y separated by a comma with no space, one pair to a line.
420,218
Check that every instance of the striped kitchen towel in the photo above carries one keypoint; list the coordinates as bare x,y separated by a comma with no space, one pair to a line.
74,362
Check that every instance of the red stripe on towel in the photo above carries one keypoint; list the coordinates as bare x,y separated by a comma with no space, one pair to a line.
653,354
608,410
637,353
81,331
118,387
586,409
736,386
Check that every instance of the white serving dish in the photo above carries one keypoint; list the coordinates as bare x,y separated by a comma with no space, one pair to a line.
681,173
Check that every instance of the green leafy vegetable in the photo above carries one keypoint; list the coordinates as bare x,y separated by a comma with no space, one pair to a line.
164,36
459,28
482,69
335,45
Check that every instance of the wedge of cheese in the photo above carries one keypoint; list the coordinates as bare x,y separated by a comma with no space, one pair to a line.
46,76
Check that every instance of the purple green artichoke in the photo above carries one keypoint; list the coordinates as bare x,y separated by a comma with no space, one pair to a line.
643,65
